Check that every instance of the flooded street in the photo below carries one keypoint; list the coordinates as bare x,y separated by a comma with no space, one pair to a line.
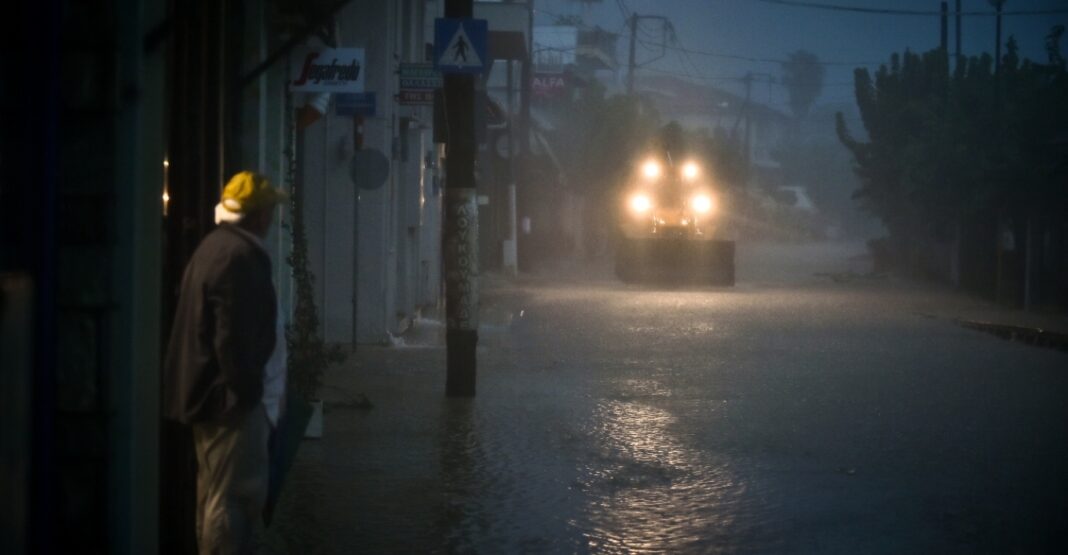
813,408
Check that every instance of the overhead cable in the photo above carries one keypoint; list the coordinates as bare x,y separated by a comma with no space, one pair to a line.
897,11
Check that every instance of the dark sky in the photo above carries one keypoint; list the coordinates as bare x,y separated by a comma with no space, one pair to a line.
756,29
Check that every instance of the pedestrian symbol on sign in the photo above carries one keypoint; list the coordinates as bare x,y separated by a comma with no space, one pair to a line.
460,45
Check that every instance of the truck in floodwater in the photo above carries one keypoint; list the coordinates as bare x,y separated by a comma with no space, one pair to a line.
671,227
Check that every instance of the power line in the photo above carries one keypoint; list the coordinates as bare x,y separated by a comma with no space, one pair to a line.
763,60
623,10
711,53
726,78
896,11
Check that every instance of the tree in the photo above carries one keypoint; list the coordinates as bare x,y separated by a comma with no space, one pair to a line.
945,148
1053,46
803,78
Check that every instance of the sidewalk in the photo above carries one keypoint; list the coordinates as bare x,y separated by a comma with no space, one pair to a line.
1039,328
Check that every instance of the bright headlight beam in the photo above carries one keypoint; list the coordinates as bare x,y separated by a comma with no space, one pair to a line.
702,204
651,169
640,203
690,170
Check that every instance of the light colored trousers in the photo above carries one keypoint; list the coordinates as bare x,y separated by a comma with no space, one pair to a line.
232,471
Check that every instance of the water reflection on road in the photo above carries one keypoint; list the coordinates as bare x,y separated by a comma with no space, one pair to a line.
785,415
650,491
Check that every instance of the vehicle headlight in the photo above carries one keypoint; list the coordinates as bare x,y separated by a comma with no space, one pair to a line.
690,171
640,203
651,169
702,204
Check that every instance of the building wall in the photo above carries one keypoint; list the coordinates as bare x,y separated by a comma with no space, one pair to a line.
135,335
82,139
375,251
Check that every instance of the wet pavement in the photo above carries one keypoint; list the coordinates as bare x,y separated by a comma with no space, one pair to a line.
814,408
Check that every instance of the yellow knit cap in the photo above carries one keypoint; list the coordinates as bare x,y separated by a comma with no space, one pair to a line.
248,191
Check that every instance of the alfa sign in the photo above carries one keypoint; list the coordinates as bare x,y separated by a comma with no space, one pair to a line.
548,85
332,70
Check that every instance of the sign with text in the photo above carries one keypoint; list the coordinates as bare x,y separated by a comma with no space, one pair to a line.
332,70
355,104
417,84
548,85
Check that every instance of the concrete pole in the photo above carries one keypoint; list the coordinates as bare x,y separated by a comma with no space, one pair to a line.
460,240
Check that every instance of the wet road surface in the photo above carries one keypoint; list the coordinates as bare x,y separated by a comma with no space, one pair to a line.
795,413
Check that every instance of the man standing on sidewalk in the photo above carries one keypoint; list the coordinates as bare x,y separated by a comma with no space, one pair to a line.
215,369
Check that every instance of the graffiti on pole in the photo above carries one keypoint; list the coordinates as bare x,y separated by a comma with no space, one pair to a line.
461,259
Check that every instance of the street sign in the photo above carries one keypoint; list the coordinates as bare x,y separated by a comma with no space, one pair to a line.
369,169
355,104
333,70
417,84
460,45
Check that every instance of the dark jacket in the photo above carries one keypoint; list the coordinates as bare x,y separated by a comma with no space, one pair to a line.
224,331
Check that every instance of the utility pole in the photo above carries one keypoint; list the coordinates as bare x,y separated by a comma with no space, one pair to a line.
630,58
997,35
999,279
944,42
960,60
526,76
460,240
748,80
510,255
632,61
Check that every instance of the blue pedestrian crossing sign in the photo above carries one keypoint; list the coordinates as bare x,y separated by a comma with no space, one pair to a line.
460,45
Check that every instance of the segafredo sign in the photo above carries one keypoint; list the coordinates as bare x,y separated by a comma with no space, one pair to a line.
336,70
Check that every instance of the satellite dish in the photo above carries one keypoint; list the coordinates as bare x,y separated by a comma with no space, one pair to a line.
369,169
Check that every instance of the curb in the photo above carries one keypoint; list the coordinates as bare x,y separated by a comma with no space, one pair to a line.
1036,337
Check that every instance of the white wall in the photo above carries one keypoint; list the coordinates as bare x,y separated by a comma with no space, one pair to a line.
380,247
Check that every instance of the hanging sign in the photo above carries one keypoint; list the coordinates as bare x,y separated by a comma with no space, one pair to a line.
355,104
417,84
331,70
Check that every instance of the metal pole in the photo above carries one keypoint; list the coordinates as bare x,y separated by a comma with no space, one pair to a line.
957,20
944,43
460,239
526,75
511,255
997,35
1000,275
748,146
997,47
630,62
1028,264
357,145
